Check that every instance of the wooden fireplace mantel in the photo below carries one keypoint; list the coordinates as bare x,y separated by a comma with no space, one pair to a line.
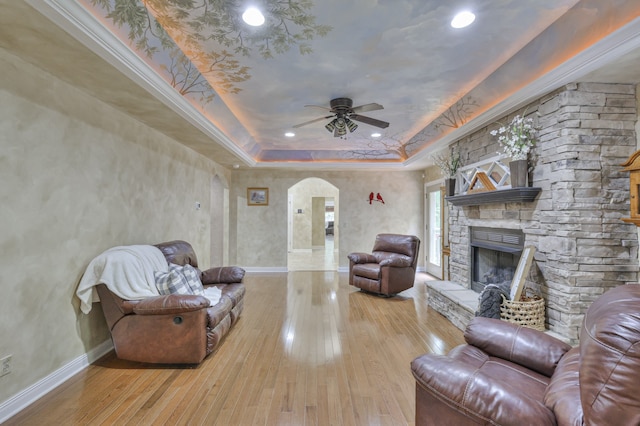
513,195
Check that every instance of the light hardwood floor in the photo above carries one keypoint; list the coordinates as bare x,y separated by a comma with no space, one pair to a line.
317,259
307,350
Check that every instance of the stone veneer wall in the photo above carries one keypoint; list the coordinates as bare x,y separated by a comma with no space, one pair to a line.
583,248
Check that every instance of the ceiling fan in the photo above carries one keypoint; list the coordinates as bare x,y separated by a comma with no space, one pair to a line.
343,112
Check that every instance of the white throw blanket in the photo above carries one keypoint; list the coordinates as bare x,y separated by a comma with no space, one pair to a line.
127,271
213,294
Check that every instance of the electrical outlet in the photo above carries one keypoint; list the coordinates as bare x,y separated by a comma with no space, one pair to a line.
5,365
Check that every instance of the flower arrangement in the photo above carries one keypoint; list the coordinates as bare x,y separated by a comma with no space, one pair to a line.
517,138
448,164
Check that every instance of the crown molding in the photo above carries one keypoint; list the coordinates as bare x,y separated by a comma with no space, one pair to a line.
84,27
605,51
333,165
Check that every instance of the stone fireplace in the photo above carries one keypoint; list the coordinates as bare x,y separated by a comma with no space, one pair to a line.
583,248
494,255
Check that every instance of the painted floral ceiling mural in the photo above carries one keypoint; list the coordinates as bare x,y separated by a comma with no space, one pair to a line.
400,62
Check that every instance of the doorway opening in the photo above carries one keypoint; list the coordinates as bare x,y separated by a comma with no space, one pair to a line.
435,231
313,226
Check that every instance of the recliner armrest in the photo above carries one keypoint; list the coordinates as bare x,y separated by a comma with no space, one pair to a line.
170,304
524,346
362,258
222,275
396,262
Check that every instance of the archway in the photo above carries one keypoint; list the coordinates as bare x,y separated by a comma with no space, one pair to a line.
313,231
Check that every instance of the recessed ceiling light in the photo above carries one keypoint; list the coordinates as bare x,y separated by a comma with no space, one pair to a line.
289,134
463,19
253,17
375,135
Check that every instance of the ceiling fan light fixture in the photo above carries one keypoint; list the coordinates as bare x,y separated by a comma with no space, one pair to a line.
463,19
253,17
341,127
351,125
343,114
331,126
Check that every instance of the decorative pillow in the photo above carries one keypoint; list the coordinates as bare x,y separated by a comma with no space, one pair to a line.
192,275
179,280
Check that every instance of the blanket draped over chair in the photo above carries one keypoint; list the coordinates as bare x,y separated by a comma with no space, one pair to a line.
127,271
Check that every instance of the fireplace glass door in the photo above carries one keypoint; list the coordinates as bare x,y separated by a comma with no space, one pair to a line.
495,253
493,267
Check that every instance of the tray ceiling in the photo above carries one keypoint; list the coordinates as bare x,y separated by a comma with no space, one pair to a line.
245,87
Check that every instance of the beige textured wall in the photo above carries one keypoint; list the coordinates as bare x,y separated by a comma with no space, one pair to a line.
77,178
259,234
432,173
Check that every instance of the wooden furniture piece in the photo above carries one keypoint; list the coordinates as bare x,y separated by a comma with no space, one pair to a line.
632,165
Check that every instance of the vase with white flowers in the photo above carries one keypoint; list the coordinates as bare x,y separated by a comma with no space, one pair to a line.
449,165
517,138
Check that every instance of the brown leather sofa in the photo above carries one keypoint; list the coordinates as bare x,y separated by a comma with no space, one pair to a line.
390,268
512,375
176,328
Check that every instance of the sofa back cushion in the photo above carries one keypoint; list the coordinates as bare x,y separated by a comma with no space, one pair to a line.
179,252
387,244
610,358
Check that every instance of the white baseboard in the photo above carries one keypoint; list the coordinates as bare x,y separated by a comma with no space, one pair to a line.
346,269
250,269
272,269
28,396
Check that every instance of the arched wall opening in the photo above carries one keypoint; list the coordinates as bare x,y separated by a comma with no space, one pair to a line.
313,224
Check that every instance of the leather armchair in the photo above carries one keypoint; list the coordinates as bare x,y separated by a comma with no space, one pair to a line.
512,375
390,268
176,328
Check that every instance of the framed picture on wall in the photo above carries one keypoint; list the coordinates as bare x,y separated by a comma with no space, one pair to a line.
257,196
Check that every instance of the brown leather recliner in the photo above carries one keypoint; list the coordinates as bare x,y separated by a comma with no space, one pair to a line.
176,328
511,375
390,268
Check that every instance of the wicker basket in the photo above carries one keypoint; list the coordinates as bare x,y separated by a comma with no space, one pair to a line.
528,312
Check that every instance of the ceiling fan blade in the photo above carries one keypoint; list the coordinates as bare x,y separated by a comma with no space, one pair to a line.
367,107
318,106
312,121
369,120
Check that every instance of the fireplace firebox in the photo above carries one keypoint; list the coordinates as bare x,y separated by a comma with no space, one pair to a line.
494,254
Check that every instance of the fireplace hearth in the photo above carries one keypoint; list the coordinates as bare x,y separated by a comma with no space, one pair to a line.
495,253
